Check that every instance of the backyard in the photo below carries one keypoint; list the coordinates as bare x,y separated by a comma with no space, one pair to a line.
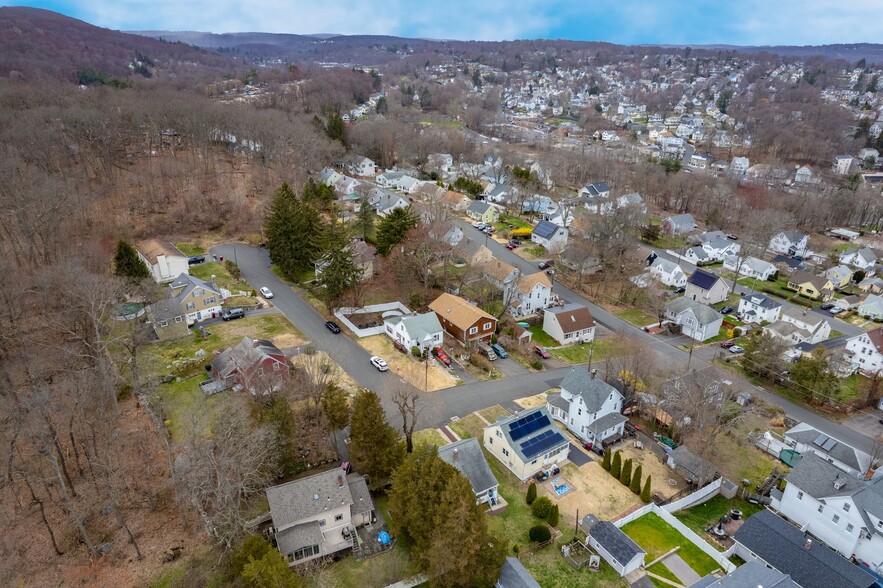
702,516
636,316
657,537
599,349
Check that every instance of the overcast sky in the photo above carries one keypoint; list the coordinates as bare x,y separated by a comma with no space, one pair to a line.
737,22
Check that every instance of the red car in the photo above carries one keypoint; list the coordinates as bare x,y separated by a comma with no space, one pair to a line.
727,344
442,356
511,245
541,352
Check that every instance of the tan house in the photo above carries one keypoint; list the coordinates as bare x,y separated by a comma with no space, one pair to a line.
810,285
199,300
533,293
502,275
527,443
463,321
318,516
163,259
473,252
168,319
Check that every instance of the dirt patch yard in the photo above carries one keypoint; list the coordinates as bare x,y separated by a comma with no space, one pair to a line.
334,371
436,378
534,401
594,491
652,466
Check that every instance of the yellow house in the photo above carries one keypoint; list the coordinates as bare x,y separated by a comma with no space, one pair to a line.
482,211
811,286
527,443
199,300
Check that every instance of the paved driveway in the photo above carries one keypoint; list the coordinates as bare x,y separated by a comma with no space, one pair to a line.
679,568
866,422
577,456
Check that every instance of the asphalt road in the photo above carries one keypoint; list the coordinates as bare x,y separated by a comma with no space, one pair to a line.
440,406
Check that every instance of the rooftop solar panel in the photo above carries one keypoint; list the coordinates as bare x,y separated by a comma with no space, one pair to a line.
529,424
541,443
821,440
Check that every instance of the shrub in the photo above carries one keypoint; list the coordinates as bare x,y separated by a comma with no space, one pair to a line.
232,268
636,480
531,493
645,493
415,351
625,477
537,365
606,462
541,507
539,533
616,467
494,338
553,516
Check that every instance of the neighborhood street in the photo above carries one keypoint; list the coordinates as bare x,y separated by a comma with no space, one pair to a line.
461,400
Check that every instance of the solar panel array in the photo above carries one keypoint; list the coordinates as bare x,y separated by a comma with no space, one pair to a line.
527,425
825,442
541,443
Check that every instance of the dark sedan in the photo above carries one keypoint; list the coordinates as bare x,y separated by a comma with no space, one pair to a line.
332,326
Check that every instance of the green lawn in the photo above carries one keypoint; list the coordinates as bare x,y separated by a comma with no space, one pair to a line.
205,271
492,413
182,402
603,348
701,516
190,249
657,537
540,337
661,570
672,242
538,251
429,436
637,317
468,426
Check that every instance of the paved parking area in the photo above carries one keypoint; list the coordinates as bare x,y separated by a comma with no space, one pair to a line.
577,456
866,422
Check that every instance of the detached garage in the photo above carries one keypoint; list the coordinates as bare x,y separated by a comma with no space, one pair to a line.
613,545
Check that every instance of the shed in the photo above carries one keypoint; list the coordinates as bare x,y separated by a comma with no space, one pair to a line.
613,545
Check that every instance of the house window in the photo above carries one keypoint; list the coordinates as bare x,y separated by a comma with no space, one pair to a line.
306,552
533,462
799,495
163,323
260,371
505,452
836,519
579,412
821,507
191,305
567,336
499,434
322,523
491,440
486,327
849,528
473,330
338,517
276,367
846,507
178,319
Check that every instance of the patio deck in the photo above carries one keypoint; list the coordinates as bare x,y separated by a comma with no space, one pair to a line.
368,543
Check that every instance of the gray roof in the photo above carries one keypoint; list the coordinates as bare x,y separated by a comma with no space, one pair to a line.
545,229
763,301
362,501
304,535
513,574
388,201
815,476
609,420
751,574
665,265
554,439
188,284
470,460
870,500
691,462
478,207
803,433
300,500
167,309
617,543
758,265
597,188
793,237
700,253
558,401
244,355
703,313
594,390
682,220
419,326
782,546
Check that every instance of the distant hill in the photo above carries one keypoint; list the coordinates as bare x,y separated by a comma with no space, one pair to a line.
851,52
38,43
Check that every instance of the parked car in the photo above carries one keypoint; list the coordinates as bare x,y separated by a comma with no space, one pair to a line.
681,290
732,236
332,326
232,313
479,225
489,230
736,350
727,344
727,310
487,351
266,292
836,310
541,352
196,259
546,264
512,245
827,306
442,356
498,349
379,363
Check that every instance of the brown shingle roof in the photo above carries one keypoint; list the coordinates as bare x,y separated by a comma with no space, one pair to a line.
499,270
457,311
573,317
526,283
151,248
802,277
876,337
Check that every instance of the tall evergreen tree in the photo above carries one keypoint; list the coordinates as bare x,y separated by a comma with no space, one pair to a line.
127,264
318,194
635,486
645,492
605,463
393,229
616,467
374,445
340,273
365,220
625,477
294,231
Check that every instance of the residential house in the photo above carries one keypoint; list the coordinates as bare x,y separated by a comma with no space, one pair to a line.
409,185
361,166
871,307
868,153
803,175
678,224
456,201
346,185
800,326
513,574
363,256
706,287
502,275
694,468
256,365
317,516
168,319
759,308
842,164
329,176
473,252
578,258
163,259
539,204
697,320
389,179
740,165
551,236
750,267
569,324
806,439
430,192
463,321
788,264
693,388
442,162
771,540
594,191
863,258
387,202
839,276
697,256
867,350
668,272
633,201
749,575
199,300
499,193
789,242
532,293
614,546
718,245
841,510
811,286
466,455
872,284
527,442
416,330
485,212
589,407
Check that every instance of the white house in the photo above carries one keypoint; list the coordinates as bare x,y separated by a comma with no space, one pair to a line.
863,258
697,256
800,327
751,267
758,308
609,136
165,261
632,200
668,272
588,406
678,224
740,165
867,350
390,179
718,245
697,320
361,166
706,287
569,324
527,442
346,185
329,176
388,202
871,307
532,293
551,236
594,191
466,455
844,511
416,330
842,164
617,548
803,175
789,242
409,185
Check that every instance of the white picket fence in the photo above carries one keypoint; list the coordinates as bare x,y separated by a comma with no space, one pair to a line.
695,498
